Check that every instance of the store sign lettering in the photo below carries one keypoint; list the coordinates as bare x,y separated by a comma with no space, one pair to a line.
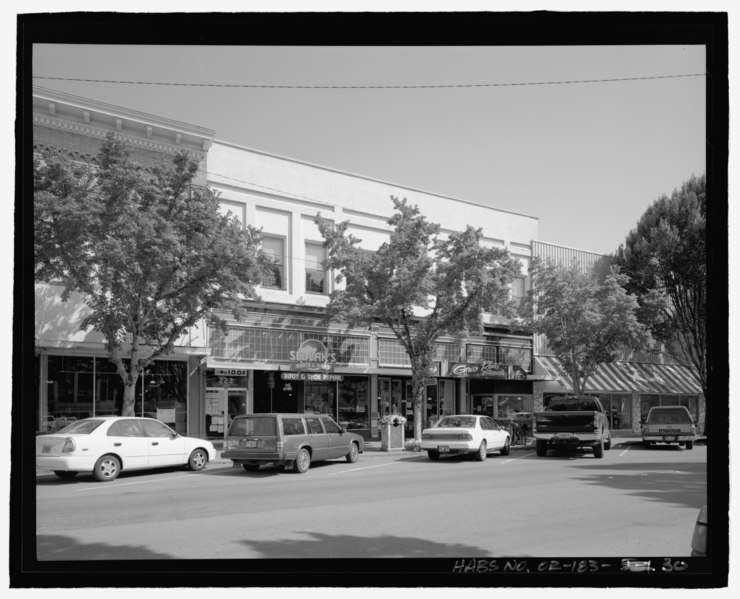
231,372
313,355
310,376
483,369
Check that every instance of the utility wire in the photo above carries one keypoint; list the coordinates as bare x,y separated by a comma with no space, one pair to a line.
462,85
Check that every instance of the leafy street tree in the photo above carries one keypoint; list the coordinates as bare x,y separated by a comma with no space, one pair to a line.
150,254
586,322
665,258
418,284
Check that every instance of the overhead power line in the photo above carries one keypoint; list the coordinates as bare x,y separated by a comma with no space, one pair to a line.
452,85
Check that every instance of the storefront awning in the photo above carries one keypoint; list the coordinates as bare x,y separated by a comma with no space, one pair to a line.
620,377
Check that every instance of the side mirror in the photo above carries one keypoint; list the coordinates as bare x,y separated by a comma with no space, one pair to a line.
342,430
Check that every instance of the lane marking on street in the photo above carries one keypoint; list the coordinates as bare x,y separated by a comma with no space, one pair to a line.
141,482
363,468
625,451
519,458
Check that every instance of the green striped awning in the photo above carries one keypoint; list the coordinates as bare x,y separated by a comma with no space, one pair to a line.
622,377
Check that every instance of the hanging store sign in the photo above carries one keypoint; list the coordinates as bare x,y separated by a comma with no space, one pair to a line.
311,376
481,370
230,372
313,355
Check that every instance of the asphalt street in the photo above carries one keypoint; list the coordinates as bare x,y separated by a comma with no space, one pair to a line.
388,504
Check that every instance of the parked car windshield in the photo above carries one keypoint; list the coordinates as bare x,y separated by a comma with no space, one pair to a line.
458,421
669,416
81,427
259,425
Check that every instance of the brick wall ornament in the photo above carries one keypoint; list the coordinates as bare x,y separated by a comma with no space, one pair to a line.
139,142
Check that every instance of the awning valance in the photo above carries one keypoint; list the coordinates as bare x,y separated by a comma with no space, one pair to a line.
621,377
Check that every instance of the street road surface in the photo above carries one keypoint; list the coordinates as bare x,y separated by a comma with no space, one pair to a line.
633,502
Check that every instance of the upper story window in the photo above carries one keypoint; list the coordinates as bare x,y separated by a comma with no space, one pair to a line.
518,290
316,280
274,248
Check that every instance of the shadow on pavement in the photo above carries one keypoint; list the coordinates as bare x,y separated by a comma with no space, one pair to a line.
332,546
682,484
61,548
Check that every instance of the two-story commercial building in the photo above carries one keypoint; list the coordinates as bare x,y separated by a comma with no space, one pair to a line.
280,356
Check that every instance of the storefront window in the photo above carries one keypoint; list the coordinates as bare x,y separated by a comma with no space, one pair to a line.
618,409
320,398
353,403
70,387
647,402
80,387
513,406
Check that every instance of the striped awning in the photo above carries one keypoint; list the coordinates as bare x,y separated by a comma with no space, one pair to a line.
621,377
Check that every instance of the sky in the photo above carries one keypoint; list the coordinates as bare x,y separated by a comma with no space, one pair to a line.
586,158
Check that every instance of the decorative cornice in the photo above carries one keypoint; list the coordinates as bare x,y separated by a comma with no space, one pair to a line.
100,133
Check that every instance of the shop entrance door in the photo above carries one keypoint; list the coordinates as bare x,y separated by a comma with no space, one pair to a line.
222,404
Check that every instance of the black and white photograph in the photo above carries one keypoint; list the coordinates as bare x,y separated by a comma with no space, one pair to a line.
370,300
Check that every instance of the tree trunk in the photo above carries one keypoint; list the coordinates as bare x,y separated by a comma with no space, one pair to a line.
418,417
129,396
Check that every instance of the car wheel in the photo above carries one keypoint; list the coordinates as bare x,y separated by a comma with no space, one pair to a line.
251,467
197,460
689,445
353,454
608,443
66,474
599,449
302,461
433,455
482,452
541,448
647,444
107,468
506,449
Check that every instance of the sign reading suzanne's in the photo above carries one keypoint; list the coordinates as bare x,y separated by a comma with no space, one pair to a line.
313,355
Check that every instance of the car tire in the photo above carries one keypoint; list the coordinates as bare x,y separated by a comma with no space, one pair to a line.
482,452
506,449
647,444
251,467
353,454
107,468
541,448
197,460
66,474
689,445
302,461
433,455
608,443
599,449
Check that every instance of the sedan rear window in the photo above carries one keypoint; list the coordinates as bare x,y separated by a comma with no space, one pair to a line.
81,427
457,421
259,426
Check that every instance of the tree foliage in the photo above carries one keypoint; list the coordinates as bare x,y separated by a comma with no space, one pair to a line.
666,261
150,254
419,284
586,322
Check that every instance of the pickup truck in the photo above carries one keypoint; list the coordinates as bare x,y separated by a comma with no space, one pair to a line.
669,424
575,421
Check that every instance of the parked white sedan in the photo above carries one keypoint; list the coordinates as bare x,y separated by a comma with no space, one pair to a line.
465,433
106,445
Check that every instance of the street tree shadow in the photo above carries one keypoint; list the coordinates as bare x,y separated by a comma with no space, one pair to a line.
320,545
62,548
682,484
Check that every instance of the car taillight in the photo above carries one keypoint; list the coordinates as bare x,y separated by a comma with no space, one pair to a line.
232,443
465,437
69,445
279,445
